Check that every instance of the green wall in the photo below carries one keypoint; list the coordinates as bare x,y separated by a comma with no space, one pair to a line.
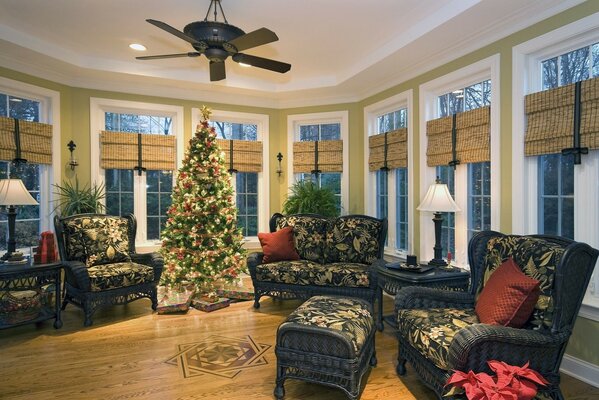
75,125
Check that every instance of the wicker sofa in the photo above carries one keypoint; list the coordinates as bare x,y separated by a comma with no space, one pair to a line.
439,331
337,257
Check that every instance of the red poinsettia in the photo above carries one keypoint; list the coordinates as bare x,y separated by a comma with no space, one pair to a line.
510,383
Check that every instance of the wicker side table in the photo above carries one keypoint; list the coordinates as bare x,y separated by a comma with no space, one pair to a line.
328,340
392,280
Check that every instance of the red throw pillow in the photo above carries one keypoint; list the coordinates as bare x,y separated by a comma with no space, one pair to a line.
278,246
508,298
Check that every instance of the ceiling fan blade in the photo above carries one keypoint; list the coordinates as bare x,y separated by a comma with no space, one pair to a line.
190,54
172,30
217,71
256,38
260,62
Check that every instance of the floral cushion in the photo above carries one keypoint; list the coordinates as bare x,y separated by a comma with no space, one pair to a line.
353,239
351,317
309,235
538,259
110,276
430,331
303,272
99,240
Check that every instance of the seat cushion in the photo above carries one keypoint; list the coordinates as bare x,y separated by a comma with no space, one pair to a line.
97,239
278,246
508,298
353,239
538,259
111,276
430,331
304,272
308,233
350,317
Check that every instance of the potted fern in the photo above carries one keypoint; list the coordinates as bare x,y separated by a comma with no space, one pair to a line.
73,199
306,197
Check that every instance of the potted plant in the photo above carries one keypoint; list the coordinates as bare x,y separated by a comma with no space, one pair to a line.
73,199
307,197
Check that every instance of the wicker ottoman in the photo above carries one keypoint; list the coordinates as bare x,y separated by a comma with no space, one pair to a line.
327,340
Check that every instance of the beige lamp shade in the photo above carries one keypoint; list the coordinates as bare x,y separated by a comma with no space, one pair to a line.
438,199
14,193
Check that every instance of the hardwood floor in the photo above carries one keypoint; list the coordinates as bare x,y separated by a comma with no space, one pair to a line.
124,356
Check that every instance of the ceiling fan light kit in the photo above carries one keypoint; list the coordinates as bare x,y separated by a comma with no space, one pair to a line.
219,41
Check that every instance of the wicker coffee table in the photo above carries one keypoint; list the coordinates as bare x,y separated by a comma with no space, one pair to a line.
391,280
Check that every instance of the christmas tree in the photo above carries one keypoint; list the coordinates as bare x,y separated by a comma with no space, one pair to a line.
201,243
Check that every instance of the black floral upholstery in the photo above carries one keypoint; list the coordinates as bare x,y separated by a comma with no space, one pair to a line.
303,272
431,331
337,257
350,317
100,262
110,276
352,239
100,240
439,331
308,233
537,259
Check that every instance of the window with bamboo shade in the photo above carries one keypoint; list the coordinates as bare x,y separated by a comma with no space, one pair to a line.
31,140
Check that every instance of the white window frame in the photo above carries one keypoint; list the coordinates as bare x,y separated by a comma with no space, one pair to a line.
50,114
527,76
262,122
98,109
487,68
371,113
341,117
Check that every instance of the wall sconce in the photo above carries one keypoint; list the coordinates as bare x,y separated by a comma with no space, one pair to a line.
280,158
72,161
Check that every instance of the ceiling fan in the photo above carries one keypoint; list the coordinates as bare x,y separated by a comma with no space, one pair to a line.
219,40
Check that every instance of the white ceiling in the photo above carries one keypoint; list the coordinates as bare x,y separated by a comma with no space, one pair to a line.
340,50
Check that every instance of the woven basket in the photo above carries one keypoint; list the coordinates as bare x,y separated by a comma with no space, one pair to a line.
19,306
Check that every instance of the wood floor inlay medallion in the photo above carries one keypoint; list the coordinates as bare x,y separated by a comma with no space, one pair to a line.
219,355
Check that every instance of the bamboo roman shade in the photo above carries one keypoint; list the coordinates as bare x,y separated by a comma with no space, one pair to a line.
390,152
31,141
321,156
472,138
550,118
121,150
247,154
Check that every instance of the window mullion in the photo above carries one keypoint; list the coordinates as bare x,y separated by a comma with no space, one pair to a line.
140,206
391,209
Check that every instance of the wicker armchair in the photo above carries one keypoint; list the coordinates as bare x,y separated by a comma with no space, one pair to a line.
457,341
100,262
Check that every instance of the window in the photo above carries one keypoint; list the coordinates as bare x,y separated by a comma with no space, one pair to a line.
251,188
31,103
313,132
386,193
147,196
474,186
120,184
550,194
245,183
321,126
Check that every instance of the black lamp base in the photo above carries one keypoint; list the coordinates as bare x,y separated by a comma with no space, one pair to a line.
438,260
11,244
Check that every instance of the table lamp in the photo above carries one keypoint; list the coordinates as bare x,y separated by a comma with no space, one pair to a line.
438,200
13,193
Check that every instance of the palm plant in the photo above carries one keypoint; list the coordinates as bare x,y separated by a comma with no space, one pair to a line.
307,197
75,200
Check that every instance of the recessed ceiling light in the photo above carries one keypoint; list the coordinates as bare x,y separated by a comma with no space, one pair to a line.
245,65
138,47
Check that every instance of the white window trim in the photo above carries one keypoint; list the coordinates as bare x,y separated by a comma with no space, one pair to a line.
50,114
527,79
371,113
98,107
341,117
487,68
262,121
